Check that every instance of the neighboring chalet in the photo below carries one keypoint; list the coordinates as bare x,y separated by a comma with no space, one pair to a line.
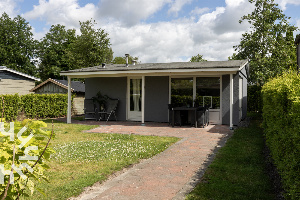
53,86
12,82
145,90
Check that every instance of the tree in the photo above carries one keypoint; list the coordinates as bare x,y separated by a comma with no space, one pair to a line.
91,48
17,46
53,50
269,45
122,60
197,58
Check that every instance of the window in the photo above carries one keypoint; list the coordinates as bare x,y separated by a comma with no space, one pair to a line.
208,92
182,92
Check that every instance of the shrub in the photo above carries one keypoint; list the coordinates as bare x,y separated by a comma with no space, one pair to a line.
22,159
34,105
254,98
281,115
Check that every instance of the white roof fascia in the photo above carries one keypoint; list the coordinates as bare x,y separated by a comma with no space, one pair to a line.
157,72
19,73
243,65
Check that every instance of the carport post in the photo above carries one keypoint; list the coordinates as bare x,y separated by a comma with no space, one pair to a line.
231,101
69,101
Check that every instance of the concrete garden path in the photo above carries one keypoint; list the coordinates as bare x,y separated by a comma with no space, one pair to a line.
169,175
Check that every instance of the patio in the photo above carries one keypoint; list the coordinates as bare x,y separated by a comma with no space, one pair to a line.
169,175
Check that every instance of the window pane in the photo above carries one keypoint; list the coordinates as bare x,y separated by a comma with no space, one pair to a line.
182,92
208,92
135,94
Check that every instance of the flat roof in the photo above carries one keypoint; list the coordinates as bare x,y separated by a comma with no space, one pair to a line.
159,69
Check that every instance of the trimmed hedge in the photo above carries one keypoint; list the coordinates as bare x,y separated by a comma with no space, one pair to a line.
281,115
34,106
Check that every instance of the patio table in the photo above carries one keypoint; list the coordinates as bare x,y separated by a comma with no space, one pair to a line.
179,109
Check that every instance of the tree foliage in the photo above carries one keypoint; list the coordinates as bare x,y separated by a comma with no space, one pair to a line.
269,45
197,58
62,50
53,49
91,47
122,60
17,46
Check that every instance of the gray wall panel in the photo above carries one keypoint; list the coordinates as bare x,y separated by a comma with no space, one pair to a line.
157,98
225,99
114,87
245,87
235,112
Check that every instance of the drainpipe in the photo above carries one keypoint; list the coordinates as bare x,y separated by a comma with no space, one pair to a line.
297,42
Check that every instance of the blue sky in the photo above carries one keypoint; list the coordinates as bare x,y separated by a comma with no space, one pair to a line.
154,31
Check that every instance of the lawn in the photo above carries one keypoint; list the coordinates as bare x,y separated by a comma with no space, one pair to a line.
238,170
83,158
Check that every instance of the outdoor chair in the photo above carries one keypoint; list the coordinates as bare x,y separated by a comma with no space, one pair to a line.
90,109
110,109
203,116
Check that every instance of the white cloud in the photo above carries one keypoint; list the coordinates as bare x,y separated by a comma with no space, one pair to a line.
8,6
129,12
234,3
65,12
283,3
177,5
199,11
228,21
211,33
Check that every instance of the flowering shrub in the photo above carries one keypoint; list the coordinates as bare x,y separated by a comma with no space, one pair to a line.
23,152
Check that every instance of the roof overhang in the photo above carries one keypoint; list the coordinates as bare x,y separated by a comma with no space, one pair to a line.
123,72
3,68
51,81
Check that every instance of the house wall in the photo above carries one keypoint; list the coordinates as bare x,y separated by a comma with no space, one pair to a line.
226,99
245,87
50,88
114,87
13,83
156,98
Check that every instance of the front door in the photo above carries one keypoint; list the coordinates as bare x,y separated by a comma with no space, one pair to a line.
135,99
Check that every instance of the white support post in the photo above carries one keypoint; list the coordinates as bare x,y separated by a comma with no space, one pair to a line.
231,101
143,99
69,101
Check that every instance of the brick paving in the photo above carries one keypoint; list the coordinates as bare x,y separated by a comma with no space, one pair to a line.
169,175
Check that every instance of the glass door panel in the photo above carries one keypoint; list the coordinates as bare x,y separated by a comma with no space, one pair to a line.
135,100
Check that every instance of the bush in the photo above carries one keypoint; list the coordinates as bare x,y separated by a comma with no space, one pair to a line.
34,105
281,109
254,98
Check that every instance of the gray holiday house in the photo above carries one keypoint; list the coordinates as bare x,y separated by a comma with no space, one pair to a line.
145,91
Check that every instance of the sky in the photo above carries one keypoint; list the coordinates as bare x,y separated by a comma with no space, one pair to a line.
152,30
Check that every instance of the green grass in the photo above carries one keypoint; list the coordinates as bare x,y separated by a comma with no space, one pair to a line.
83,158
238,171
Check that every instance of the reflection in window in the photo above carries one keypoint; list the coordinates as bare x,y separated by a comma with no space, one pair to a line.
208,92
135,94
182,92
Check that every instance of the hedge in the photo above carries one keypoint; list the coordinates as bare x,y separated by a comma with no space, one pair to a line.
254,98
34,106
281,115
